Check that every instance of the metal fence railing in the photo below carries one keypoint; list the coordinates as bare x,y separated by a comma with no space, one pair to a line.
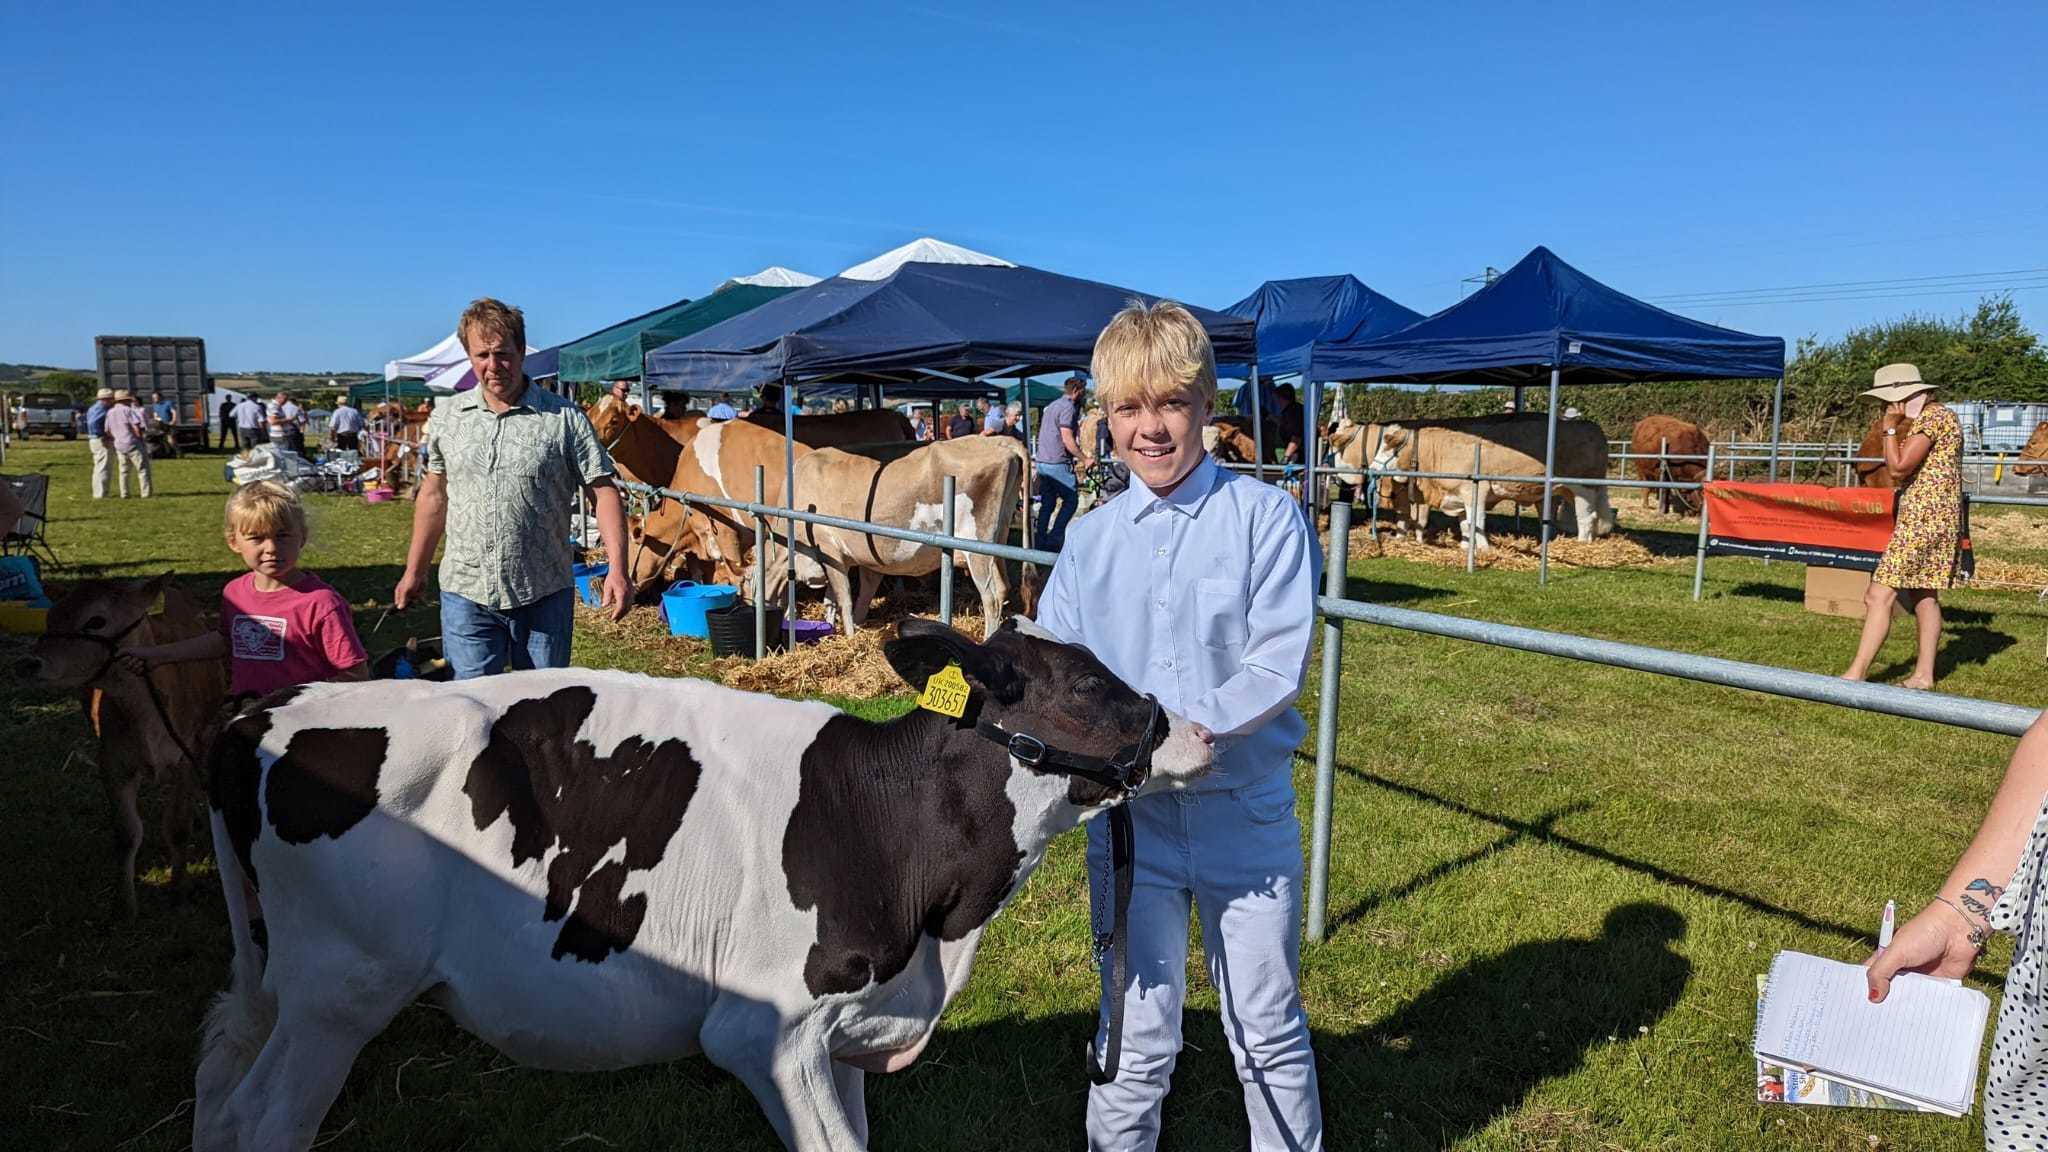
1337,609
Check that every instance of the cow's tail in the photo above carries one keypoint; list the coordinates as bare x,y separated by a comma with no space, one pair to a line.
240,1019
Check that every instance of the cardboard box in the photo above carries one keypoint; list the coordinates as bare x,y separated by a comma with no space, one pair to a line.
1839,592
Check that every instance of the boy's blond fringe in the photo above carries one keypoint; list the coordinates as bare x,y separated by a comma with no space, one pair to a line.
1149,352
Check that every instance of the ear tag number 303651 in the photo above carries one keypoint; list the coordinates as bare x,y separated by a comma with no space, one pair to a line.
945,692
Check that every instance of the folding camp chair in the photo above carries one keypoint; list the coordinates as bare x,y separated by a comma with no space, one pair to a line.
24,509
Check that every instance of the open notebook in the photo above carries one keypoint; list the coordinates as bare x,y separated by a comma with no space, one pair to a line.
1921,1045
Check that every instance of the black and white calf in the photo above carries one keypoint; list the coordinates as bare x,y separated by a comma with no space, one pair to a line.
595,870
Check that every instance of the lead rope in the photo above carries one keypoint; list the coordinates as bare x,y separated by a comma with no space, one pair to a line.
1121,858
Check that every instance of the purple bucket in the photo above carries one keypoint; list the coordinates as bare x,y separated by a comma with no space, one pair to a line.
807,631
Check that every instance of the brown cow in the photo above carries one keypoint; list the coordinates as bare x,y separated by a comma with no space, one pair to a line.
155,729
1677,438
901,486
1871,470
838,429
644,447
1229,439
2037,450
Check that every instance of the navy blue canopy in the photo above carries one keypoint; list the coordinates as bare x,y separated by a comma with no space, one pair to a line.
963,319
1293,314
1542,312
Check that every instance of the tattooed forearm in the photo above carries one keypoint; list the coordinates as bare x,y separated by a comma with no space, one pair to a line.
1979,895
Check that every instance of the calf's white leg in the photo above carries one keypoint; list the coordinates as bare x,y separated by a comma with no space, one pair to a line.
1582,511
789,1070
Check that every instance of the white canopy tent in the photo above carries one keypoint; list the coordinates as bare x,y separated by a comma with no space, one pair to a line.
773,276
923,250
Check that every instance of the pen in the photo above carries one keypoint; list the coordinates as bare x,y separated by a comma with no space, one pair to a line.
1884,930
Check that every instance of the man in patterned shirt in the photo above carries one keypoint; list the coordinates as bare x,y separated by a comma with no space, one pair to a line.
505,461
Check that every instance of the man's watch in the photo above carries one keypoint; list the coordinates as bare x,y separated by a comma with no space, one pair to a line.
1891,431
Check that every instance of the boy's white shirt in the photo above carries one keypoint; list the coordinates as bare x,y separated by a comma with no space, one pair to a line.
1205,599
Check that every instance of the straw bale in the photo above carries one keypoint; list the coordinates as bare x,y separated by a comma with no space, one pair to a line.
1446,549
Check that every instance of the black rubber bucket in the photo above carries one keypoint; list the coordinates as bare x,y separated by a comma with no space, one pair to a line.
732,629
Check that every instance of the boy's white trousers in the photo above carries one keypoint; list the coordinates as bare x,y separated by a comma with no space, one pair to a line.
1236,855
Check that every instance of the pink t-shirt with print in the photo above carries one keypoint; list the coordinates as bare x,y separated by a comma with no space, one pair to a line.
296,635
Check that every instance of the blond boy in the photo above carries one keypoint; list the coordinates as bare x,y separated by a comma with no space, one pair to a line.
1197,585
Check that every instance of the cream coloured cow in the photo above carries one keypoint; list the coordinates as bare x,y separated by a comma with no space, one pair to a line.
900,486
1508,446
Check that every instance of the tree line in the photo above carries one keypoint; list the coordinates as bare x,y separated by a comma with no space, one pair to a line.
1987,354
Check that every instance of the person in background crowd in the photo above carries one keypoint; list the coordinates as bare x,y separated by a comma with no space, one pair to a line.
920,425
962,423
294,424
1994,887
504,462
1923,447
723,410
991,417
1288,416
769,403
840,407
1053,456
1013,421
250,420
224,421
162,411
100,442
128,429
1198,587
273,416
345,427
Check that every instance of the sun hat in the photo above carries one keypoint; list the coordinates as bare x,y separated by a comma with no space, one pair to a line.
104,394
1896,382
123,394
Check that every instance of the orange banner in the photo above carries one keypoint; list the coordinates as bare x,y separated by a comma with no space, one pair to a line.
1804,523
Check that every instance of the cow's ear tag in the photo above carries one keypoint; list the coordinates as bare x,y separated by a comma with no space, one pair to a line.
945,692
156,606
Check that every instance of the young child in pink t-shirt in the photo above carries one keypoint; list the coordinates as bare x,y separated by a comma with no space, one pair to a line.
279,626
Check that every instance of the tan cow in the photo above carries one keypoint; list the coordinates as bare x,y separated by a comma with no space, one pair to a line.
901,486
838,429
1508,446
2037,451
1871,470
1674,437
1229,439
156,734
719,461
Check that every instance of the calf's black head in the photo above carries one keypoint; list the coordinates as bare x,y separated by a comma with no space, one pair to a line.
1025,682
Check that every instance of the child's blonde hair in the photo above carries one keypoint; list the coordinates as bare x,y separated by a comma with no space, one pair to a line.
1149,352
264,508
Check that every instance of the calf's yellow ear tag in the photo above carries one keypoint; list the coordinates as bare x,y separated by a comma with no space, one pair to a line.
945,692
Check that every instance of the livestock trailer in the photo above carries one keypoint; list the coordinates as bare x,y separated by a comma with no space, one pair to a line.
172,365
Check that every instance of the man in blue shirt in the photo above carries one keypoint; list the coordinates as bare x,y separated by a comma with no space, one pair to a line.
1054,455
162,411
100,442
723,410
1197,585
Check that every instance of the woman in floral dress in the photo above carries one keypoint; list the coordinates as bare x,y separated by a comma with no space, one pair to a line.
1923,448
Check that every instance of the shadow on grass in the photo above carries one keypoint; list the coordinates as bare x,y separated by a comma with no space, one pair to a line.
1971,645
1389,591
1432,1072
1756,590
1540,831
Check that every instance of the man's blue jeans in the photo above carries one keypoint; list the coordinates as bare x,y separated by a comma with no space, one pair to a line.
480,641
1056,490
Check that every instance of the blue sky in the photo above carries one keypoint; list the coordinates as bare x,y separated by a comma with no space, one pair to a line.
324,187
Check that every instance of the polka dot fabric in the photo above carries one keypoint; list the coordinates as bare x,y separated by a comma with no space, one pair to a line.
2016,1091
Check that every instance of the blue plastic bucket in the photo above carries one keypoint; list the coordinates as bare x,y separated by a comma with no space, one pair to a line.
686,602
590,582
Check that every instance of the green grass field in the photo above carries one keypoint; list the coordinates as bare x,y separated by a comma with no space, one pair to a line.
1553,885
